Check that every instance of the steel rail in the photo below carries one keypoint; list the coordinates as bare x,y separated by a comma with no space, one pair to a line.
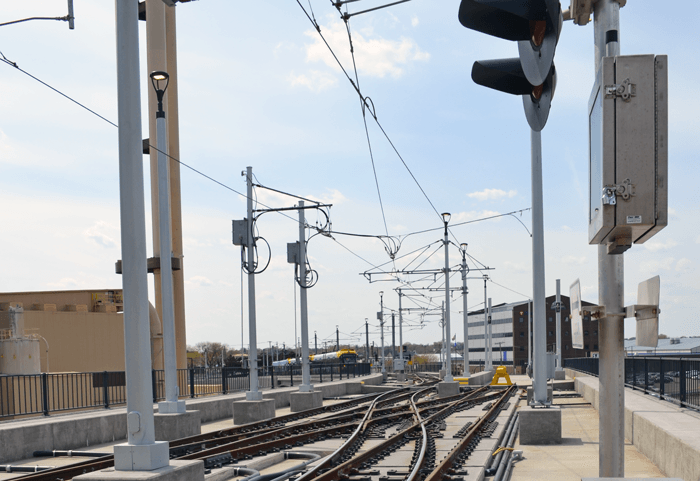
345,469
446,466
338,452
424,445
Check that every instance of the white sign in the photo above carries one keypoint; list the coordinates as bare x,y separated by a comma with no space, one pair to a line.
576,315
648,325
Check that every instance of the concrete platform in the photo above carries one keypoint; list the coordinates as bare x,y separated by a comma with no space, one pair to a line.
302,401
245,412
141,457
170,426
446,389
664,432
540,425
176,471
559,375
577,455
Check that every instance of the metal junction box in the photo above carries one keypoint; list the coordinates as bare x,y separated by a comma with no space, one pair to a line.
628,151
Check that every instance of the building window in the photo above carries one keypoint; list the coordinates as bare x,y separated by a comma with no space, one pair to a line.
551,333
586,318
521,320
550,318
566,347
585,333
595,347
566,333
522,333
586,347
595,333
522,348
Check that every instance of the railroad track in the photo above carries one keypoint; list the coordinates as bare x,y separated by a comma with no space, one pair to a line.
401,414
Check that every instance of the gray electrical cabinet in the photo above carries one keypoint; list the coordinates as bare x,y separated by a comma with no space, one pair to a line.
628,142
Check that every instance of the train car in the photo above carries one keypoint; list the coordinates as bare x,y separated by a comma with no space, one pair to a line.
285,362
344,356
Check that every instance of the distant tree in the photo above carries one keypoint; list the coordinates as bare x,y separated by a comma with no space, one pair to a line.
663,336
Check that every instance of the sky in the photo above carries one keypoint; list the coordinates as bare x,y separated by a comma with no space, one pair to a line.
258,88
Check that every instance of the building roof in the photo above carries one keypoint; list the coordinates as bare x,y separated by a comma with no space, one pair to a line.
680,344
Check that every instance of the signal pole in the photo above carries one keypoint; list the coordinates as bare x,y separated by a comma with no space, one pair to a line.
367,340
337,339
611,283
381,326
305,372
401,376
487,351
448,350
253,394
539,394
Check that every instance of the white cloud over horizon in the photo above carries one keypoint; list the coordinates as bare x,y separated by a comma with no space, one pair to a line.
492,194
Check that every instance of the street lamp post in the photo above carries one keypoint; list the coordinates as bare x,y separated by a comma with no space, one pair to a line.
159,80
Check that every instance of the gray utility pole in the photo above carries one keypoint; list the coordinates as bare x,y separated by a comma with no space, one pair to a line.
253,394
367,340
465,291
393,336
558,307
301,260
448,352
611,283
401,334
540,330
171,403
141,452
488,326
487,347
442,350
380,316
315,344
337,339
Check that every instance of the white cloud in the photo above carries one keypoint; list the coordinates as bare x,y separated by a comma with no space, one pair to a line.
375,56
573,260
492,194
64,283
473,215
517,266
315,81
660,246
97,234
414,21
654,266
199,281
683,264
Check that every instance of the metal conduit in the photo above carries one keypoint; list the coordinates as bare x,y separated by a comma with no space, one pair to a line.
495,460
59,454
505,461
8,468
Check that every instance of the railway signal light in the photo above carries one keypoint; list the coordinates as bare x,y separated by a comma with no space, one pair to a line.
535,25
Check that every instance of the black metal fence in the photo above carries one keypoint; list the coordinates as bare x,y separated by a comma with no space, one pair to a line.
673,379
33,394
291,375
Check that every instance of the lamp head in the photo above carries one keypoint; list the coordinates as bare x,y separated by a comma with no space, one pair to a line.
446,216
463,246
160,80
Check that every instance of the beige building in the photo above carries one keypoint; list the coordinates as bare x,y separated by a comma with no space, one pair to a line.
78,331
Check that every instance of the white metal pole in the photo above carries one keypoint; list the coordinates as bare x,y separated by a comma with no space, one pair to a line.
540,326
448,348
253,394
139,451
171,404
490,362
611,280
466,315
559,363
401,333
305,372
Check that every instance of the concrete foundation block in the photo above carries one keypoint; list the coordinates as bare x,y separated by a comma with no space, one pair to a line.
559,375
175,471
401,377
245,412
442,373
446,389
529,394
540,425
171,426
141,457
303,401
481,379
